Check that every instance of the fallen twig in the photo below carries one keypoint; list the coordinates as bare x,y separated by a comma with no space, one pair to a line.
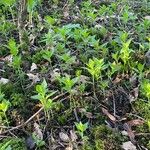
26,122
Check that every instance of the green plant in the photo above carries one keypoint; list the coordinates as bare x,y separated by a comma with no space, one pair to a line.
13,144
146,89
13,47
6,146
44,97
14,50
31,4
81,128
39,142
47,54
95,67
48,39
68,59
4,105
125,53
67,83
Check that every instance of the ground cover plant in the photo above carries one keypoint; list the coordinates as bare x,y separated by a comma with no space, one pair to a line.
74,74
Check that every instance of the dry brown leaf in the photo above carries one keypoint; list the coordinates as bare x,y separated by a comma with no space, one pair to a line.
134,80
83,79
54,74
4,81
73,136
33,67
147,17
134,94
128,146
35,78
111,117
66,12
70,147
64,137
38,131
8,58
117,80
136,122
130,132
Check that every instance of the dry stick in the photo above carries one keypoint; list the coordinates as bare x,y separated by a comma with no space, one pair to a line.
21,125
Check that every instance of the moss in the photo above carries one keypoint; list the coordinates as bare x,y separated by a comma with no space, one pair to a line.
148,145
99,144
106,139
87,146
101,132
14,143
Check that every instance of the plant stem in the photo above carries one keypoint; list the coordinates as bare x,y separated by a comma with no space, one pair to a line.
94,87
6,119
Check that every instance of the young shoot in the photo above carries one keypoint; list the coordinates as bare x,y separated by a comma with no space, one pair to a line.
81,128
44,97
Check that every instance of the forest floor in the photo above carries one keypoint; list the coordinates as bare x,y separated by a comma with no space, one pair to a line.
75,75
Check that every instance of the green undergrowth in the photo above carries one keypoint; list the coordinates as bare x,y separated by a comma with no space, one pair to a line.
13,144
71,59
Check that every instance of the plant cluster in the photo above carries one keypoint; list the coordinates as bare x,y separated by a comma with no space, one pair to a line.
74,55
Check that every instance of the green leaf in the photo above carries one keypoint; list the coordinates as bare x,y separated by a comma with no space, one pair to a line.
50,20
13,47
44,84
7,2
6,146
81,127
47,54
31,4
4,105
49,95
49,104
16,61
36,97
42,89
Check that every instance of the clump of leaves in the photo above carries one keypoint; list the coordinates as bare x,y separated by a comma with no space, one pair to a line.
4,105
95,67
125,52
146,88
44,97
81,128
13,143
14,50
67,83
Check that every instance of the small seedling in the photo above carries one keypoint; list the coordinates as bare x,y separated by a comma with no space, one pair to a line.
146,88
81,128
67,83
39,142
47,54
95,67
44,97
13,47
125,52
31,4
4,105
14,51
